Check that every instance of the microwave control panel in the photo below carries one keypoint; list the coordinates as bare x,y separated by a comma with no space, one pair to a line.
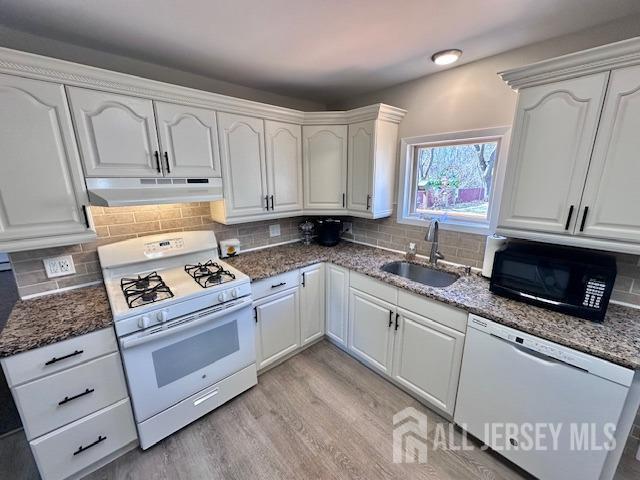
594,293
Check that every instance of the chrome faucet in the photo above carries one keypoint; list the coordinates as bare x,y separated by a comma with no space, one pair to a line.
432,236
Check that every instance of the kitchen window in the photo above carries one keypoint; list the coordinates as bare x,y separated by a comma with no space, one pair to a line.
455,178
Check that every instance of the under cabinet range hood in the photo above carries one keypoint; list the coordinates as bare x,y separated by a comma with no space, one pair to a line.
122,192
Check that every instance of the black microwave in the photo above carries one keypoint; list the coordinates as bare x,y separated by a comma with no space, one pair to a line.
572,281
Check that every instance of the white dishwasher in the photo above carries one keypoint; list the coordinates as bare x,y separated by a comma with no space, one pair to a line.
514,385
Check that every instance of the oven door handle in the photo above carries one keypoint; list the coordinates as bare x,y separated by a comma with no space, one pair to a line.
133,341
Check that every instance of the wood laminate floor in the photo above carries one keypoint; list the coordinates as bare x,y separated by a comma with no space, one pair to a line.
321,414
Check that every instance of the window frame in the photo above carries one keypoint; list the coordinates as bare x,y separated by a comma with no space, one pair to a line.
458,221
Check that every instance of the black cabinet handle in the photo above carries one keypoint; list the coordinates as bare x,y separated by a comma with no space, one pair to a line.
82,449
266,200
397,323
68,399
566,226
166,161
86,216
304,279
57,359
255,314
368,202
278,285
271,202
584,218
390,318
157,155
344,198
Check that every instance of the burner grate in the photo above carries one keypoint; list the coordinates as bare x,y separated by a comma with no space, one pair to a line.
144,290
209,274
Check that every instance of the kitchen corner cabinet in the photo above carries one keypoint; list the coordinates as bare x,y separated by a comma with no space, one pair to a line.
312,302
324,154
189,140
41,185
116,134
371,168
427,358
337,303
278,326
371,330
554,130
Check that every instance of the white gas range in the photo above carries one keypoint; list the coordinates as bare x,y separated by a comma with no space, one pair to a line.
184,324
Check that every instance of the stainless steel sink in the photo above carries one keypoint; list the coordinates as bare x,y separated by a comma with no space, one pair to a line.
420,274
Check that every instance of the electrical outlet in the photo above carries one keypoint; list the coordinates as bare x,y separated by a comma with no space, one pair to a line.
59,266
274,230
347,227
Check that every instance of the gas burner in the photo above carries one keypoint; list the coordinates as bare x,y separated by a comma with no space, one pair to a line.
209,274
143,290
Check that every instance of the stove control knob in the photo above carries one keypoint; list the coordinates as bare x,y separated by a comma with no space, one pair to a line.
234,293
144,321
162,316
222,297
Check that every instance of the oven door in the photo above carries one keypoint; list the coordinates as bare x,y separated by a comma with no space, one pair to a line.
165,365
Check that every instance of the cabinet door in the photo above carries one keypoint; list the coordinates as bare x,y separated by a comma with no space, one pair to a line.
611,193
337,303
116,133
371,329
284,165
189,140
554,131
278,332
325,166
427,359
360,166
41,184
312,304
243,164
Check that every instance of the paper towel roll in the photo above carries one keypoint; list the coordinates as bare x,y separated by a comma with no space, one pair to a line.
494,243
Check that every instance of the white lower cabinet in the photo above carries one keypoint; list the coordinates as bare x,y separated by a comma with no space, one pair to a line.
371,330
427,359
337,303
312,318
278,326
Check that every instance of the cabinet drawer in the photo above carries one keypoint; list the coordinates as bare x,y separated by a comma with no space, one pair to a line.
437,311
43,361
275,284
80,444
374,287
55,400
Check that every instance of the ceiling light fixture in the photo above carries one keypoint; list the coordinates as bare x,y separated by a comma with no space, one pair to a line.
446,57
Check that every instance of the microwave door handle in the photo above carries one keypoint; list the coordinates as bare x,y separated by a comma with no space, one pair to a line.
126,342
534,297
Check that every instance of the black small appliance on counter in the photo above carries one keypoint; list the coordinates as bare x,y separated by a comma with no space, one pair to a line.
328,231
568,280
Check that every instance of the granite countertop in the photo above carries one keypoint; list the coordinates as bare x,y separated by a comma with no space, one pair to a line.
52,318
617,339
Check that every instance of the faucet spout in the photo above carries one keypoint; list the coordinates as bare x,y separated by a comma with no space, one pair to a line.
432,236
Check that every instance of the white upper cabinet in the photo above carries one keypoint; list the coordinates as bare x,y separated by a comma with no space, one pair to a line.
324,154
188,140
554,131
611,200
42,191
243,165
116,133
360,166
284,166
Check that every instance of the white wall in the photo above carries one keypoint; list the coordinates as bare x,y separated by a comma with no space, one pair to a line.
27,42
473,96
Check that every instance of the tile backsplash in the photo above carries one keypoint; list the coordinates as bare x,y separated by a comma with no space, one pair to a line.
120,223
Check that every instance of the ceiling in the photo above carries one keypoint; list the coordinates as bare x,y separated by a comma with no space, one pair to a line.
322,50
